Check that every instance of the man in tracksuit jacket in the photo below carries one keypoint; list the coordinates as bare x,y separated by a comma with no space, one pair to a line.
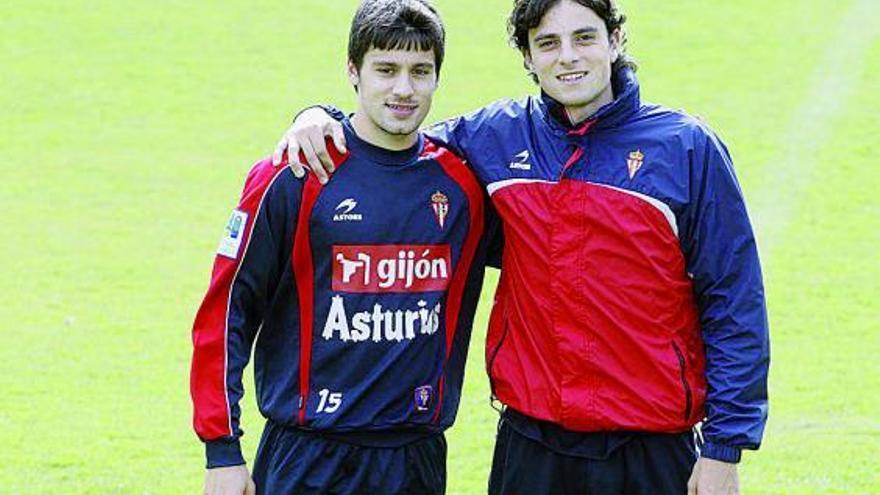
357,297
630,305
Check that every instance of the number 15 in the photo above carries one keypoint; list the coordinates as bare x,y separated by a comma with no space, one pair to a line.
330,402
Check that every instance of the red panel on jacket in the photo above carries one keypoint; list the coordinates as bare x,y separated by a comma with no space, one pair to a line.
600,271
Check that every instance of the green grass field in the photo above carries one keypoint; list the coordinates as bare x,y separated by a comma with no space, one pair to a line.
128,127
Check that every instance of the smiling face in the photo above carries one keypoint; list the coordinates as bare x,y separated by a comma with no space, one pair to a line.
571,52
394,92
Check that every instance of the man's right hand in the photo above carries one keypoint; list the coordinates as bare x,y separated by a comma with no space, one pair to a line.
230,480
307,134
711,477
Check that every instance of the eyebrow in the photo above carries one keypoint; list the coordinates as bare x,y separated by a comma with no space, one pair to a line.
389,63
583,30
586,30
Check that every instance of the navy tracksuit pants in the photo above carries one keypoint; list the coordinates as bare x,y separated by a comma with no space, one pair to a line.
645,464
291,461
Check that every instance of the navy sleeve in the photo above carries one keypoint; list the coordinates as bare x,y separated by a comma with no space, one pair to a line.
331,110
722,258
459,133
255,249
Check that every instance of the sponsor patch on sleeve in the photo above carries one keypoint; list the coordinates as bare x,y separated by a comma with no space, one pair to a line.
230,243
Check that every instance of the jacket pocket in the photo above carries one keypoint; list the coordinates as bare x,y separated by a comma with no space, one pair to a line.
688,395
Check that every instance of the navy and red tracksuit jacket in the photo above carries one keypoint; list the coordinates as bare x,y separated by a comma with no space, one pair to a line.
357,297
631,296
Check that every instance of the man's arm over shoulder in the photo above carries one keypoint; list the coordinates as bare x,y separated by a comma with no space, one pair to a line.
253,251
305,142
455,133
722,258
464,134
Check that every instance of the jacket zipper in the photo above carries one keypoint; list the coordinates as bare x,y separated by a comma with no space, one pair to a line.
575,156
687,387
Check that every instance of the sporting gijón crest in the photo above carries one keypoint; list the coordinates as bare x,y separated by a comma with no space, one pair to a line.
634,162
440,205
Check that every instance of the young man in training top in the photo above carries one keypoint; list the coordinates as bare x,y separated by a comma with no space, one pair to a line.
630,306
357,296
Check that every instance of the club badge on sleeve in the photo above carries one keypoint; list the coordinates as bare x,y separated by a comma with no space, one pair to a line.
230,243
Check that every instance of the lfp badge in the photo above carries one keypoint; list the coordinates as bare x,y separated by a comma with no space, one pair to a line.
233,228
423,396
230,243
440,205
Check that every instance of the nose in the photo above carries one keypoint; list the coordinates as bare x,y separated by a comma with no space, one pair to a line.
567,53
403,86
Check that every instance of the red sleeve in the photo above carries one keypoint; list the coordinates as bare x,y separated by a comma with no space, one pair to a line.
229,315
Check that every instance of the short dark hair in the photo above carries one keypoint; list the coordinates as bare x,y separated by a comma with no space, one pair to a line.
527,14
396,25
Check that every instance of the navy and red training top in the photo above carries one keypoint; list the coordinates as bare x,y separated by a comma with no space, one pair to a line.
357,297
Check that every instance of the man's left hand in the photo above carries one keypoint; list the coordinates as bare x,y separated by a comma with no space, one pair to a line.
711,477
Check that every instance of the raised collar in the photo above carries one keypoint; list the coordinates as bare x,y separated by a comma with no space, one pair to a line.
626,103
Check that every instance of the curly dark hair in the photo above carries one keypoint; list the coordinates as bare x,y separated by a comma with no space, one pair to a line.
527,14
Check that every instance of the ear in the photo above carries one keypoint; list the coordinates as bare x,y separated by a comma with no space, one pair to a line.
615,42
353,75
527,61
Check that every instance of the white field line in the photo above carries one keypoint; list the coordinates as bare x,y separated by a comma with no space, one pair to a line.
785,179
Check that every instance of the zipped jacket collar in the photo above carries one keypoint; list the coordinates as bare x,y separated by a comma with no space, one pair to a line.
626,103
